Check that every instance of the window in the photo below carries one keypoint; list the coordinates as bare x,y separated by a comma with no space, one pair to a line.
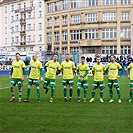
19,49
50,7
12,29
12,7
16,39
74,49
76,4
5,9
5,20
19,6
28,26
16,16
75,18
49,21
125,16
12,18
91,17
31,48
76,34
40,14
31,3
109,49
39,3
49,37
29,38
28,14
57,23
109,2
91,2
109,33
57,6
40,26
16,28
65,4
125,33
5,30
64,50
12,39
40,38
24,49
91,34
109,16
125,1
125,49
5,41
64,36
57,36
64,20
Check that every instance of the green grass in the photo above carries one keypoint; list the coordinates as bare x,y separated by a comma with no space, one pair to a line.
60,117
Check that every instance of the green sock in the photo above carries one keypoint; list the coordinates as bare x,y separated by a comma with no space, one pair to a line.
65,91
28,92
52,92
12,92
38,93
111,93
85,93
118,93
131,94
20,94
70,92
78,92
93,93
101,93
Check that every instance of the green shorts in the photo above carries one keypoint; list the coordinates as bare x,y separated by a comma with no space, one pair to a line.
97,84
131,83
83,84
48,81
112,83
69,82
15,81
33,82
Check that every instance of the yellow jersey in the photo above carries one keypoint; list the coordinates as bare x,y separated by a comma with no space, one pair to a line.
67,69
130,66
82,69
35,67
17,67
52,67
113,70
98,69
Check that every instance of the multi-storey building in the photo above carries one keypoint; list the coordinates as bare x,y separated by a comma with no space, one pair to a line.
22,25
89,26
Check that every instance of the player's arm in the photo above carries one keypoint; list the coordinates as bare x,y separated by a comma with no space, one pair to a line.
73,68
86,72
45,66
127,69
77,71
28,72
58,70
41,74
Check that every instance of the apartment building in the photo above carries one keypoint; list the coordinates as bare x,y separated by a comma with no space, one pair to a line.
89,26
22,25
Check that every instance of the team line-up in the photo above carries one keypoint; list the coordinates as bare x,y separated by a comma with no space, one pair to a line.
67,68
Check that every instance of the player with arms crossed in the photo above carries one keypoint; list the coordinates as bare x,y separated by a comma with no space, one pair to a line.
98,71
52,69
34,73
82,71
67,68
17,76
130,67
112,70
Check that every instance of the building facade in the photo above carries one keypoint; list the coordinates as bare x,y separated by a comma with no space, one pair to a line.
22,25
89,26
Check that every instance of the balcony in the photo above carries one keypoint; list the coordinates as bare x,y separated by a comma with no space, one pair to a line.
22,21
25,9
22,33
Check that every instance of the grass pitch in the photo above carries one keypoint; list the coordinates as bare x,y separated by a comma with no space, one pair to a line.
60,117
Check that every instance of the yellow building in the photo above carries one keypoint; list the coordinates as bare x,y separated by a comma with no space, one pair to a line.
89,26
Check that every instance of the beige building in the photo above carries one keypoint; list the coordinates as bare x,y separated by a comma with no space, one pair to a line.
89,26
